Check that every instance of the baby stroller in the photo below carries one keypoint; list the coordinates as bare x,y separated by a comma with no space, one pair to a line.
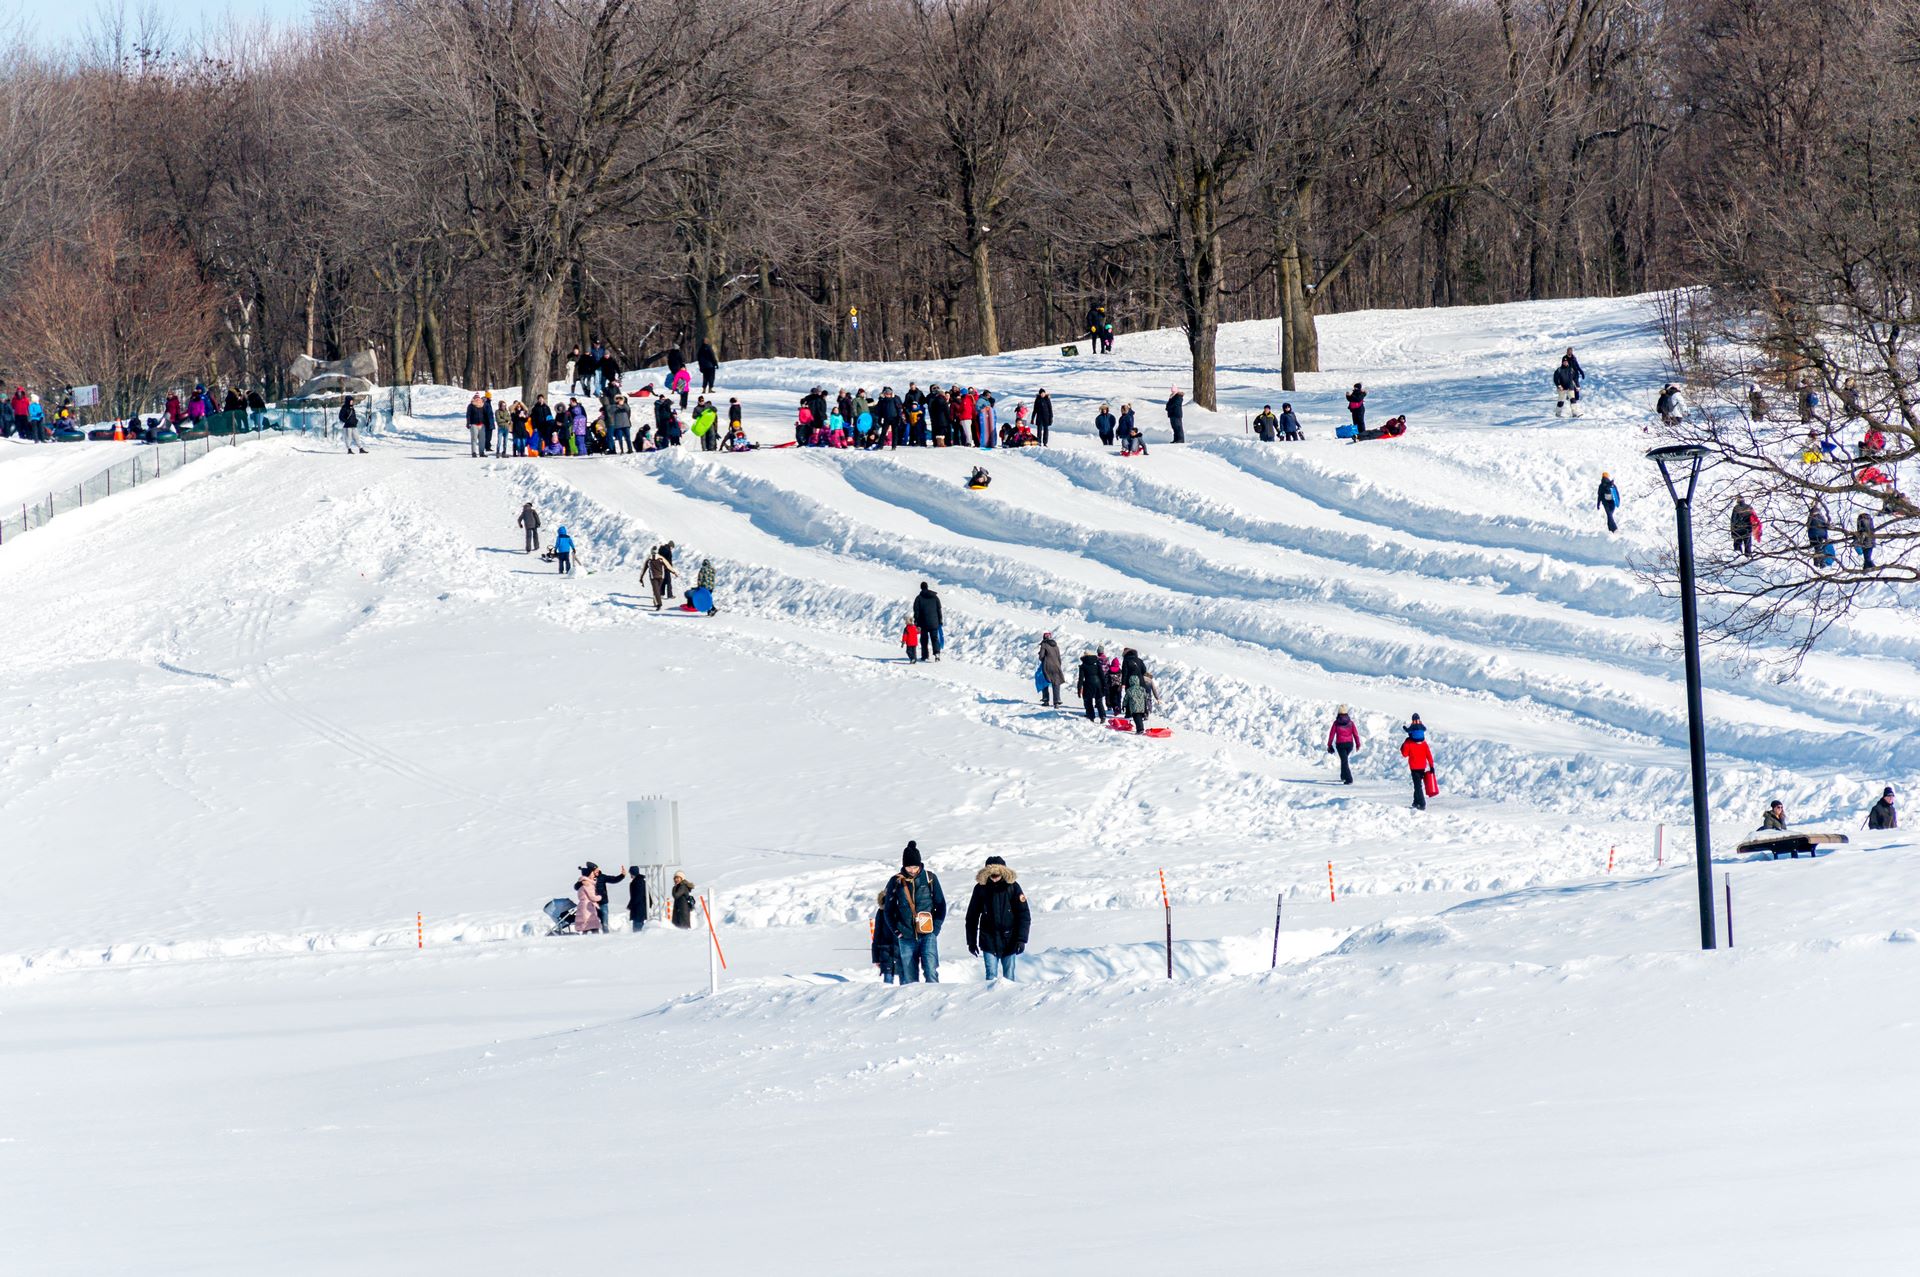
560,910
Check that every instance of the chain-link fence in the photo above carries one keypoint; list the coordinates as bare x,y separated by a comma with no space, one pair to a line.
144,466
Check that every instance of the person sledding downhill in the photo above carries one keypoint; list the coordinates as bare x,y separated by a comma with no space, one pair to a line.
700,597
979,479
1419,756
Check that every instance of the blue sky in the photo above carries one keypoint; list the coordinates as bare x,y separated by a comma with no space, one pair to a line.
53,21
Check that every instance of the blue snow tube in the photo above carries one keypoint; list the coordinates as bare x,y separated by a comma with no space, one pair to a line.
701,598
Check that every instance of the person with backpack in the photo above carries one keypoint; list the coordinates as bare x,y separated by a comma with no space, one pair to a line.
886,942
682,903
927,614
1042,416
1266,426
917,908
1608,500
1882,815
350,425
563,550
1051,673
1176,415
700,597
1419,756
998,919
1744,524
530,521
1343,738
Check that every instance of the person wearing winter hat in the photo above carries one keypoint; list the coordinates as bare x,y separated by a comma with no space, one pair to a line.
1343,738
917,909
1419,756
1050,674
1881,815
1775,817
998,919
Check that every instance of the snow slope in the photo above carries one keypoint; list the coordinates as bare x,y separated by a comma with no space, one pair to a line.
262,712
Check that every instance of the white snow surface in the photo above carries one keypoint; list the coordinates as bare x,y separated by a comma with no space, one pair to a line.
262,712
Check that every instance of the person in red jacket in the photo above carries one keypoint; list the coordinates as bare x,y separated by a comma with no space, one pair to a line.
1419,756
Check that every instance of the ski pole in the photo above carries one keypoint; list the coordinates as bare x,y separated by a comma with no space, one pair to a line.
1279,903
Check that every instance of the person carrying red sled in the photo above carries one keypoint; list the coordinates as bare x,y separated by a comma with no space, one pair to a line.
1419,756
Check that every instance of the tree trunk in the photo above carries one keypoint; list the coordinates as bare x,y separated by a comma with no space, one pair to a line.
539,331
983,294
1200,280
766,312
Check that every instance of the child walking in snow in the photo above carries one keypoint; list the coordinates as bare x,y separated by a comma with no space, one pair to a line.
910,639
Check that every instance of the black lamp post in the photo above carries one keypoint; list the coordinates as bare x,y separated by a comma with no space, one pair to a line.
1689,457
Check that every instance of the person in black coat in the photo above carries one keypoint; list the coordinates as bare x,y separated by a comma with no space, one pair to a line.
1882,815
928,619
886,943
998,918
1091,683
1266,426
937,416
709,363
887,415
637,901
1042,415
1176,409
682,903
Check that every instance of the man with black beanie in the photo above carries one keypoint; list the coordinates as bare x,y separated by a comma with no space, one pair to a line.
917,907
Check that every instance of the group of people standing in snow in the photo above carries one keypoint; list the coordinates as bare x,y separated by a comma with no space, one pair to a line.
593,894
570,430
956,417
912,909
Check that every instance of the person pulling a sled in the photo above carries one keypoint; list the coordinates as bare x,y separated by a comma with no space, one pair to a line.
1419,756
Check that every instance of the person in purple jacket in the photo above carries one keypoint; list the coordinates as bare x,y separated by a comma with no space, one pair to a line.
1343,738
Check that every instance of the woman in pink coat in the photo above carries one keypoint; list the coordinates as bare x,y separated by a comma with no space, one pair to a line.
586,906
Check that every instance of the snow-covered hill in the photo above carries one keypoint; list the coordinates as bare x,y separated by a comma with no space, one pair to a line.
261,712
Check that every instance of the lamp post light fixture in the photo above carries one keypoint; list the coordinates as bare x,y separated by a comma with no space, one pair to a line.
1685,459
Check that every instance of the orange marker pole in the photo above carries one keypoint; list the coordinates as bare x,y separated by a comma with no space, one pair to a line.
1610,852
715,934
419,933
1331,898
1167,904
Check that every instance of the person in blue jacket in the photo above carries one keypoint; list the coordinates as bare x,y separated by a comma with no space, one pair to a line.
912,894
1103,422
563,550
1289,424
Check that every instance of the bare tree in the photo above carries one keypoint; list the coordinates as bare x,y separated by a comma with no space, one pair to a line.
1197,84
126,311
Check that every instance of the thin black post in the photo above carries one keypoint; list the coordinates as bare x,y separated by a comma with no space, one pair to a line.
1279,903
1729,886
1696,711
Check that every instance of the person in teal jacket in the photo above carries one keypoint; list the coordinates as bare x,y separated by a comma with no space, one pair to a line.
563,550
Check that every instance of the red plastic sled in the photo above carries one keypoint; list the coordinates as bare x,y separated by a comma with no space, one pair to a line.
1160,732
1432,785
1120,724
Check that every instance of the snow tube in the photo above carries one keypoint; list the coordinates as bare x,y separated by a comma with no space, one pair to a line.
700,599
69,436
1346,432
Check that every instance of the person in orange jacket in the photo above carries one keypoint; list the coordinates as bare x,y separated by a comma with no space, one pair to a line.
910,639
1419,756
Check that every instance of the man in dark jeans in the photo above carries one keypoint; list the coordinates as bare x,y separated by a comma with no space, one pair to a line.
927,616
637,901
530,520
913,892
1176,413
